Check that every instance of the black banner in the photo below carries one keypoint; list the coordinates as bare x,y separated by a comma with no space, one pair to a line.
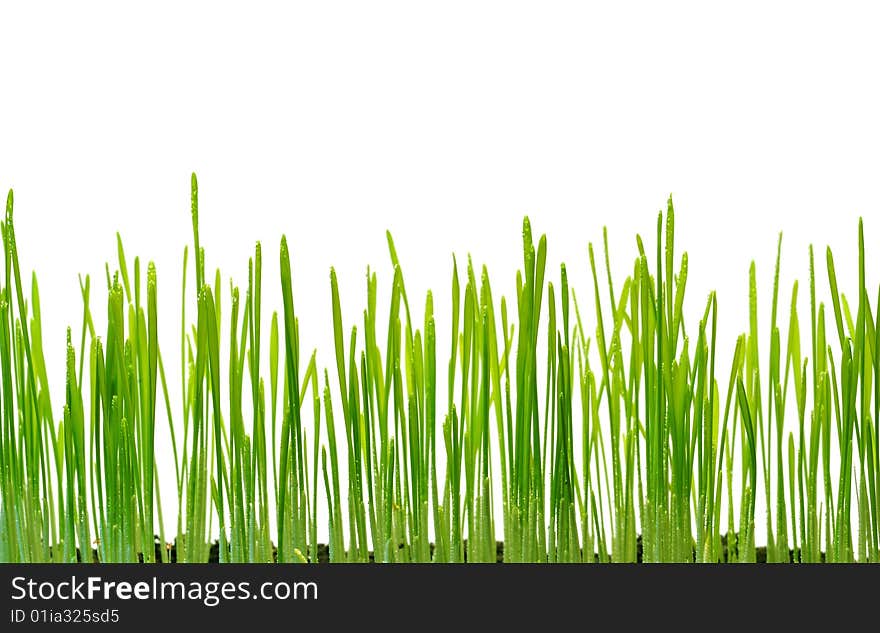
411,597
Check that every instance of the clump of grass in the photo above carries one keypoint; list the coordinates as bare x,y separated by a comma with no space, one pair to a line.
610,436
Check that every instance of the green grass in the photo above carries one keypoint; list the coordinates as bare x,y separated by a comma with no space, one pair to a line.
571,436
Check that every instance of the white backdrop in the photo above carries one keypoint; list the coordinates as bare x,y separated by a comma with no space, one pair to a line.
446,123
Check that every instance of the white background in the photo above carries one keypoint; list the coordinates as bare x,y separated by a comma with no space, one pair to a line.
446,123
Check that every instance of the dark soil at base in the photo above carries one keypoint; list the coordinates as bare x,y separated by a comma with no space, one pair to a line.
324,553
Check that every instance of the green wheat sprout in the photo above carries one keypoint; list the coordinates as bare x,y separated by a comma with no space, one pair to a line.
633,457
